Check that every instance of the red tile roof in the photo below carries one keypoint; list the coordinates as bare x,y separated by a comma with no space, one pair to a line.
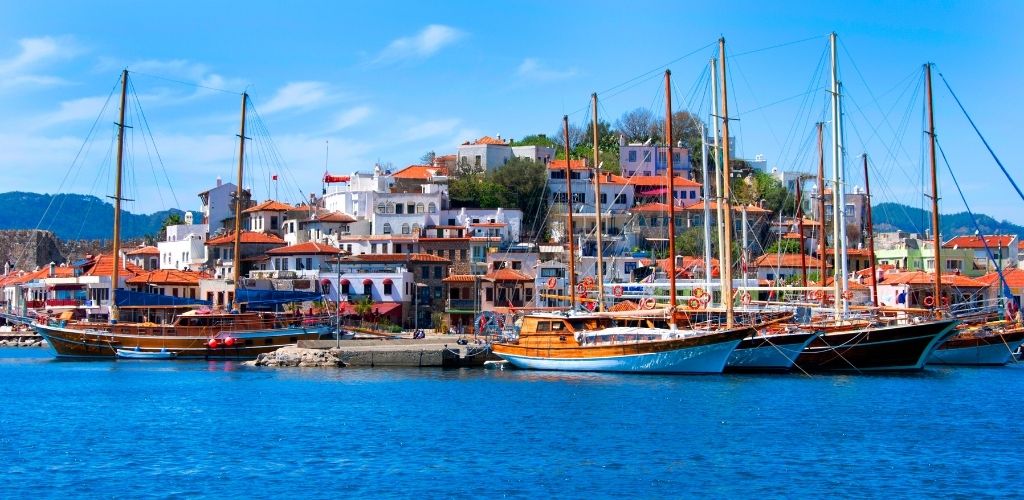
307,248
1014,278
460,278
146,250
656,208
420,172
331,217
491,141
858,252
506,274
713,205
168,277
979,242
923,278
574,164
395,257
104,266
791,236
269,206
650,181
788,260
248,237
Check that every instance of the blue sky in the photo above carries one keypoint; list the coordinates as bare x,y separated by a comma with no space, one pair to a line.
390,81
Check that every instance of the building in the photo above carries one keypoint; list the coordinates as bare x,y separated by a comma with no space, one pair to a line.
269,217
916,289
184,246
146,257
915,254
786,266
218,206
412,283
1014,281
304,260
648,160
1005,249
489,153
253,247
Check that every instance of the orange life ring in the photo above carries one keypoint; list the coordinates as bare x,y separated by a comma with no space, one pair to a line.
647,303
820,294
552,282
698,292
694,303
588,281
617,290
847,295
929,301
704,299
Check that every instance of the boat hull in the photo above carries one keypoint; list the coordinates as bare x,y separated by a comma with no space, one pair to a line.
993,350
100,344
776,353
697,355
890,348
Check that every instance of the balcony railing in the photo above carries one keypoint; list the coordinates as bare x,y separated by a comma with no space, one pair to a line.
462,304
63,302
35,304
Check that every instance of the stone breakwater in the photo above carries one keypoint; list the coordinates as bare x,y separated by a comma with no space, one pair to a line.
21,340
299,357
377,353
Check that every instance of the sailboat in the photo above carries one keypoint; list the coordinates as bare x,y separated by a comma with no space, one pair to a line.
642,342
844,344
200,333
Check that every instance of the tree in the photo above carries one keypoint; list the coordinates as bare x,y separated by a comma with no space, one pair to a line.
172,219
761,187
523,185
428,158
576,136
636,125
783,246
535,140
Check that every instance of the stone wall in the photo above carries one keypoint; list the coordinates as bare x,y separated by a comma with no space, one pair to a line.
28,249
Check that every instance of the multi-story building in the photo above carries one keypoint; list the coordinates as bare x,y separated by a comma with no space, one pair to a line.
1004,251
912,253
253,247
146,257
184,246
218,206
489,153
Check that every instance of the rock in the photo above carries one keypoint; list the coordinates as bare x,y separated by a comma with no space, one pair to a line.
298,357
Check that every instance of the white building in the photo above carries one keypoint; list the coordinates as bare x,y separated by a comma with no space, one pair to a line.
217,205
185,246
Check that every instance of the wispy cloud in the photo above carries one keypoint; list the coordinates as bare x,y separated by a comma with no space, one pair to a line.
351,117
85,108
533,69
20,69
298,95
432,128
424,44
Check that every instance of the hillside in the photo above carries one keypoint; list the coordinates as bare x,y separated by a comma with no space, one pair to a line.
74,216
893,216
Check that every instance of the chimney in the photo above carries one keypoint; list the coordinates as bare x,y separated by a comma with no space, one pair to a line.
219,182
53,270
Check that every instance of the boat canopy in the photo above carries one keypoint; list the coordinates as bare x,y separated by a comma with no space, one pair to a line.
255,299
129,298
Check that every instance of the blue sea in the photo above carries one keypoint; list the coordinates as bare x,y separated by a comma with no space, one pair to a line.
218,429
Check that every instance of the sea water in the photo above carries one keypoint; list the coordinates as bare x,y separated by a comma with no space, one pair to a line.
219,429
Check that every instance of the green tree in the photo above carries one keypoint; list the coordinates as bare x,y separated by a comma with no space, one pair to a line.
172,219
524,186
428,158
762,187
783,246
535,140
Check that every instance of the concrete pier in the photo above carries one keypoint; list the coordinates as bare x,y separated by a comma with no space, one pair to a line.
438,352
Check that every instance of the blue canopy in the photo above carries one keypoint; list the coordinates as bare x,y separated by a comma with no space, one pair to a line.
128,298
255,298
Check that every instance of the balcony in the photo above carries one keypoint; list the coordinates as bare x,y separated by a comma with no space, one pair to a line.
461,304
35,304
63,302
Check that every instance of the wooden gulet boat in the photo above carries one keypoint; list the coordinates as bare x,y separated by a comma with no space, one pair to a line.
195,334
989,344
622,343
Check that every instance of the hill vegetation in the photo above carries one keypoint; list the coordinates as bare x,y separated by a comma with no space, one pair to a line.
75,216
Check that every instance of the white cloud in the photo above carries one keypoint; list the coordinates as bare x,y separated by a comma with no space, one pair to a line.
428,129
533,69
421,45
35,52
85,108
351,117
298,95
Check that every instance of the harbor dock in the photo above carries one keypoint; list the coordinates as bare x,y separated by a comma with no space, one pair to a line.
433,352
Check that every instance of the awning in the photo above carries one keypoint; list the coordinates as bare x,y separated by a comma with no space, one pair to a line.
390,309
128,298
387,281
367,282
345,282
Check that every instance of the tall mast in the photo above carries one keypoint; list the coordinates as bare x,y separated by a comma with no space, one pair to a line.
821,203
871,236
707,207
800,229
727,210
116,274
671,197
597,209
568,214
236,259
937,292
839,270
718,166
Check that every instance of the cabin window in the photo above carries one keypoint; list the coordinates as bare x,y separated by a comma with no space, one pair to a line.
543,326
557,326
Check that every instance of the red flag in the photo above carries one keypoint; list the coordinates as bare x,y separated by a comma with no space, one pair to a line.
329,179
274,177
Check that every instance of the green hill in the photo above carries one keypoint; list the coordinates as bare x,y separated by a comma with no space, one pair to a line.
893,216
74,216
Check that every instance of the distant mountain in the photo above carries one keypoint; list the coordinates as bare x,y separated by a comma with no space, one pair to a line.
893,216
75,216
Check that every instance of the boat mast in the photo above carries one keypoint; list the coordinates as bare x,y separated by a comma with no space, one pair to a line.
871,236
821,204
237,257
800,229
937,292
727,210
839,269
115,275
718,166
568,213
670,197
597,210
707,208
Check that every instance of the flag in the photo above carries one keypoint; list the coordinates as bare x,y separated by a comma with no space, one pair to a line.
274,177
329,179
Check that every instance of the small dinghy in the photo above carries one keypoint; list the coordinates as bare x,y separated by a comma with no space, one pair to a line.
140,354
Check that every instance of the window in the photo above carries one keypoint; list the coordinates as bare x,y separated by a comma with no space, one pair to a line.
382,208
604,198
529,294
489,294
559,198
387,288
437,292
953,264
558,174
675,158
620,199
662,157
849,210
421,208
476,161
309,263
399,209
552,272
387,228
575,176
628,267
647,157
273,222
410,208
390,208
298,264
405,228
284,264
462,254
432,207
437,272
543,326
632,156
579,197
416,229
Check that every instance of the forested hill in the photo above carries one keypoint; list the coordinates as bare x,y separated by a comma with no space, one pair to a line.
893,216
74,216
